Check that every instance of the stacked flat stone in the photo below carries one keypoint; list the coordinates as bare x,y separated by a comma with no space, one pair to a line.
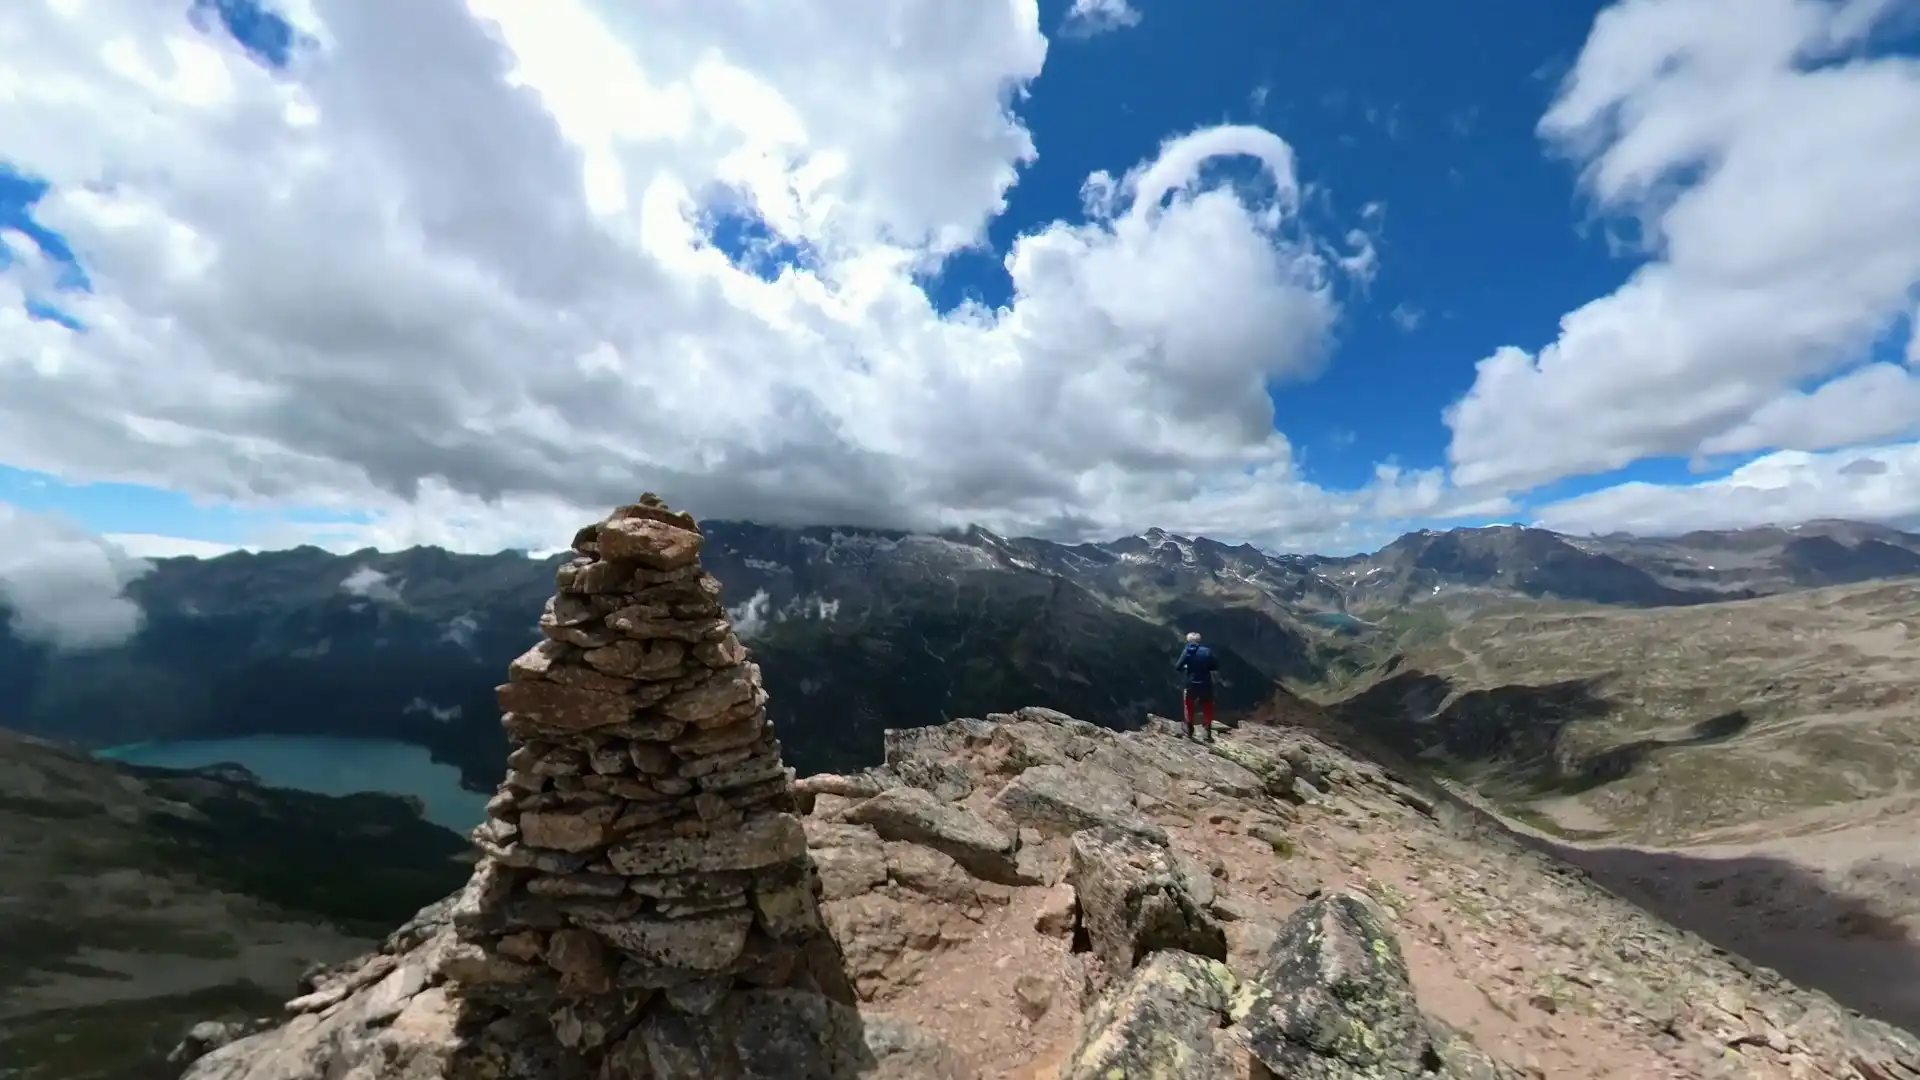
642,854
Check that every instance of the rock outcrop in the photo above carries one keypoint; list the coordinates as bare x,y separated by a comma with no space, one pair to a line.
1266,906
1019,897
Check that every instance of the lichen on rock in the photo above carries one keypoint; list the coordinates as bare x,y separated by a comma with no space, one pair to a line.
1164,1023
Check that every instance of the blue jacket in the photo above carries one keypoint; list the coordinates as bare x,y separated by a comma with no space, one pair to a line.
1199,664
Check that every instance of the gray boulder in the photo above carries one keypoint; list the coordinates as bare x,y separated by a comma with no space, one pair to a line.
1164,1023
919,817
1058,801
1334,1002
1134,900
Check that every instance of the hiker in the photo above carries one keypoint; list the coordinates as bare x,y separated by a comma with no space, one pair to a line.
1198,662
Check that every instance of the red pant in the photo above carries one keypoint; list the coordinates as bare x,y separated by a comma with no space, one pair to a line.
1206,705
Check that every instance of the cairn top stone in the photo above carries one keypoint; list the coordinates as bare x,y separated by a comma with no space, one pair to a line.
648,534
653,543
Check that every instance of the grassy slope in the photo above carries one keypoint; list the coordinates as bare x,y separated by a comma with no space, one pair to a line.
1659,725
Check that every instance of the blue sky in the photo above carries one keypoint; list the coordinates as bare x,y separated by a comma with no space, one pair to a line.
1406,105
1415,123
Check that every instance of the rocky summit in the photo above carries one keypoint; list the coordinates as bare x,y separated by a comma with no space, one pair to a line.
1024,896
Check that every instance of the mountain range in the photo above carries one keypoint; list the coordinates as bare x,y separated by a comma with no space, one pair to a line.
1592,690
856,629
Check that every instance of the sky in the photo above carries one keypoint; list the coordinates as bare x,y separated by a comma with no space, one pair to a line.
469,272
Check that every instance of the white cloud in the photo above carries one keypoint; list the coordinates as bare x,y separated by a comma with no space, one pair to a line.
751,616
755,615
445,714
461,629
1089,17
156,546
1879,483
1878,401
62,586
1773,182
453,275
370,584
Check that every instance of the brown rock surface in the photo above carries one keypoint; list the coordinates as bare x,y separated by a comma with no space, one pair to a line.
1488,931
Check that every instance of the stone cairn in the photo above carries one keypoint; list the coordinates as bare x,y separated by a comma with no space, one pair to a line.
641,863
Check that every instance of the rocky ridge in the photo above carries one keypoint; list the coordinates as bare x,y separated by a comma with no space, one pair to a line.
1024,896
1030,897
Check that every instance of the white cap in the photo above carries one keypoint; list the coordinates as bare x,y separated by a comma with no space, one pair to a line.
1193,638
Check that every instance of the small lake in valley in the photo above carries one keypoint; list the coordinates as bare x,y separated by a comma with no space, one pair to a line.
1341,621
326,765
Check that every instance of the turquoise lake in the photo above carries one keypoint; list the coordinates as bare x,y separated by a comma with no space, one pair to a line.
327,766
1341,621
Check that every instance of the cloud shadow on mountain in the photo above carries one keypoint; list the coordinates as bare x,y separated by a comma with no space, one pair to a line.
1523,730
1621,761
1768,912
1759,910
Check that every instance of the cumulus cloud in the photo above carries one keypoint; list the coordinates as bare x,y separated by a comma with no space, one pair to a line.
754,616
1089,17
370,584
1770,171
1878,401
63,586
457,273
461,629
750,617
1879,483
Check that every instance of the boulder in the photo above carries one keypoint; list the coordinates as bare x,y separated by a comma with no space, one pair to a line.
946,779
400,1028
851,859
1058,801
856,786
1274,770
1460,1059
1179,759
204,1038
933,875
1333,1000
1163,1023
1134,900
917,816
933,742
